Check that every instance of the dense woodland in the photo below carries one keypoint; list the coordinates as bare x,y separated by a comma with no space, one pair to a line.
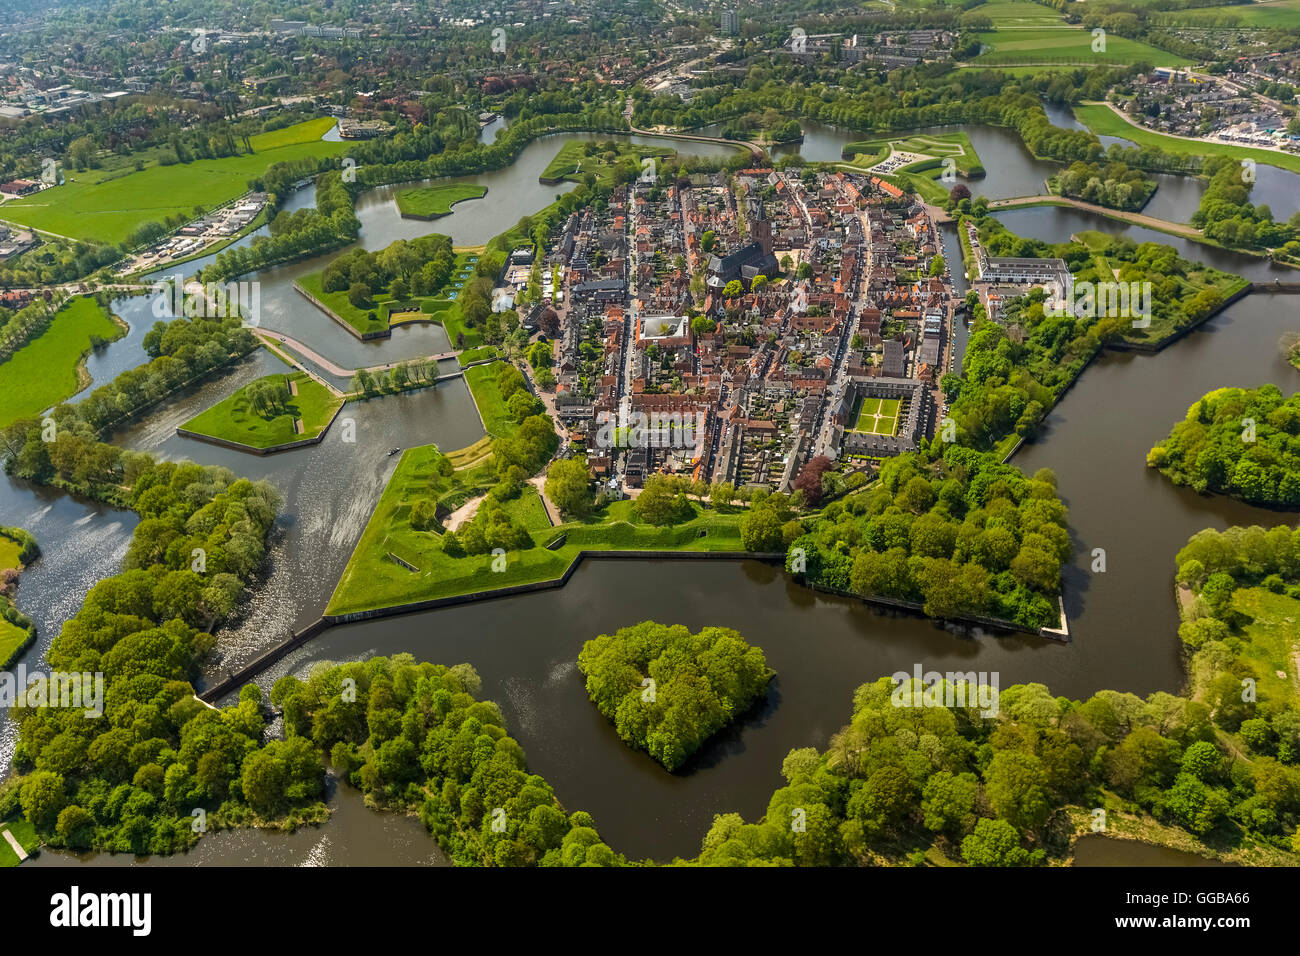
958,532
666,690
1014,370
1238,442
415,735
1114,184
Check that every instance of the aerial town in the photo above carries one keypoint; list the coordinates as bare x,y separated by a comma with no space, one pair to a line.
710,434
773,370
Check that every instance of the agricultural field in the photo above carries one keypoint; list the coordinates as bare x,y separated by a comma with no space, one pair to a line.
876,416
51,368
1104,121
433,202
308,412
1065,44
106,206
1018,13
1270,14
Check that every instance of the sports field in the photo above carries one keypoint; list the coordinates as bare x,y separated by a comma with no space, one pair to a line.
92,206
877,416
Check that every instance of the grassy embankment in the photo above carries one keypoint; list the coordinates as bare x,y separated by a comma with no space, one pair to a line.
106,205
374,579
380,316
16,634
236,420
922,176
51,367
572,162
23,832
432,202
1104,121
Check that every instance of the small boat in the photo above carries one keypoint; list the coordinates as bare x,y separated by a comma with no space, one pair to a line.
393,451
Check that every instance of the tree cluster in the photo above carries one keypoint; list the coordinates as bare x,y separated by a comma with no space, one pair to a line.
1239,442
668,691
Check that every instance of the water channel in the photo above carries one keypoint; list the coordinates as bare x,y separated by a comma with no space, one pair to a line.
1123,622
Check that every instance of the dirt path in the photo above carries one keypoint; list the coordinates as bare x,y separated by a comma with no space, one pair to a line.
464,513
1137,218
329,366
552,512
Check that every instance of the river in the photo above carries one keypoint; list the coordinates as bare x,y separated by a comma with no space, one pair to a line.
1123,622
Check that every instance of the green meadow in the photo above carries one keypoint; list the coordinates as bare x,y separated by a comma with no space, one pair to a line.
49,369
1058,44
1104,121
235,419
431,202
106,207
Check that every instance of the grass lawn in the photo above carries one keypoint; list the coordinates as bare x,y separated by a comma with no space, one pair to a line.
49,368
529,510
374,579
572,161
430,202
877,416
1016,71
456,329
101,206
234,419
1063,43
337,302
1271,639
9,552
23,832
956,146
12,637
482,382
478,354
1104,121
